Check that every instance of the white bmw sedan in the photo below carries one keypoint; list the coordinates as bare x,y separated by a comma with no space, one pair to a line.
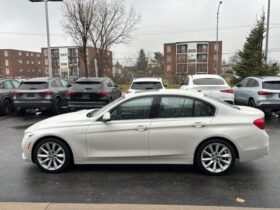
158,127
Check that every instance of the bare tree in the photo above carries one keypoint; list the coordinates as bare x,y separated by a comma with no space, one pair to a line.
112,24
78,18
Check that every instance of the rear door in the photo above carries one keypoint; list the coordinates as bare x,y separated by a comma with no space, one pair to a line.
239,95
181,123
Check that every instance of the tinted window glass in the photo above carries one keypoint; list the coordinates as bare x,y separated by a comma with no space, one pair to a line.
272,85
139,108
109,83
64,83
252,83
173,106
208,81
146,85
8,85
243,83
186,82
89,85
202,109
15,83
33,85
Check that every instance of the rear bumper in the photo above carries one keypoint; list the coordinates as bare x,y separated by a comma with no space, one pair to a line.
42,105
269,106
86,105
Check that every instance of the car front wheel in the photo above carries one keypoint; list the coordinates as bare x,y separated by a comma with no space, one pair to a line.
215,157
52,156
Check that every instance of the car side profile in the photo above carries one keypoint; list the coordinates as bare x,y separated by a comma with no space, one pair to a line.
259,92
92,92
43,93
162,127
146,83
209,84
6,97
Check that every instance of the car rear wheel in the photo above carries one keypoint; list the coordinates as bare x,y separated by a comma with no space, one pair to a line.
215,157
7,107
252,103
52,156
57,109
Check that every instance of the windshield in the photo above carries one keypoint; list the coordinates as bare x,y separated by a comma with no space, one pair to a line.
94,85
208,81
222,102
97,112
33,86
271,85
146,85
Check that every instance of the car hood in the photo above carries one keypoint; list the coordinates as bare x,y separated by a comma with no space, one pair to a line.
64,120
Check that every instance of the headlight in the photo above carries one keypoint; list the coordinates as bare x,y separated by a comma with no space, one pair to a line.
27,135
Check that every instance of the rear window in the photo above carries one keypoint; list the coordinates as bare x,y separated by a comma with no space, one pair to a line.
33,86
208,81
271,85
89,85
146,85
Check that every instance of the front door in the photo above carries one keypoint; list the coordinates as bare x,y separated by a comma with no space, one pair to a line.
126,135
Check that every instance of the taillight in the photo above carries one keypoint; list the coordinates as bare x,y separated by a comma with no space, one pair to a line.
15,93
263,93
71,92
102,92
260,123
46,92
227,91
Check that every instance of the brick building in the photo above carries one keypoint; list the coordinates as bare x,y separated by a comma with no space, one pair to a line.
185,58
19,63
68,61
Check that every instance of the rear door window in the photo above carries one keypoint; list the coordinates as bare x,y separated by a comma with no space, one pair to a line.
271,85
8,85
33,86
89,85
146,86
208,81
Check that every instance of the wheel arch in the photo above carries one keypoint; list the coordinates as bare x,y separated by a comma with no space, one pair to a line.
51,137
218,138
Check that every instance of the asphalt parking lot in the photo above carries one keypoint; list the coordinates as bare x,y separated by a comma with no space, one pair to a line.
256,182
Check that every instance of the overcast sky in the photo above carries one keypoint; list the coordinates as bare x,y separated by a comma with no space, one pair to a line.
23,25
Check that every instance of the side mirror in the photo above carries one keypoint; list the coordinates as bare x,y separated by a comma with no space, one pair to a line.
165,85
116,86
238,85
106,117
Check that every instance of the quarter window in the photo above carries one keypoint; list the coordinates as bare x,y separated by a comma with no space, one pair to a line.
135,109
202,109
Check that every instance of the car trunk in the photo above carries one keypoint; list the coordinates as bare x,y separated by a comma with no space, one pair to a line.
271,91
32,91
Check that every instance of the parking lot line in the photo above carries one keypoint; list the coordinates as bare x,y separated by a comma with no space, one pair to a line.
63,206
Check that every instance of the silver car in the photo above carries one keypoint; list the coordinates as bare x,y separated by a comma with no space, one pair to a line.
259,92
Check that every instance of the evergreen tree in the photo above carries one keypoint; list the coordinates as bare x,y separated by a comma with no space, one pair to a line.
251,60
157,64
142,64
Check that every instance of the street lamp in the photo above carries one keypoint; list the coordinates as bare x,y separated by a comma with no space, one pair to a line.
48,33
217,38
267,32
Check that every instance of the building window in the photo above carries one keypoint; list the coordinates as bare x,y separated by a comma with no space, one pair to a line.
27,62
7,71
6,53
39,62
168,49
21,70
39,70
33,70
20,61
216,47
32,62
168,68
19,53
27,54
46,52
46,61
169,59
6,62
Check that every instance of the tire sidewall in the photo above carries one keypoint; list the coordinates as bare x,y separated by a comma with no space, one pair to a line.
252,103
198,161
5,108
67,161
57,106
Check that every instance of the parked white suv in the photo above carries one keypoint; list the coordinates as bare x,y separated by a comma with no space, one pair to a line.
146,83
212,85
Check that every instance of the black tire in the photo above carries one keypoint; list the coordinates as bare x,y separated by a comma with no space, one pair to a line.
252,103
201,166
56,107
7,107
66,163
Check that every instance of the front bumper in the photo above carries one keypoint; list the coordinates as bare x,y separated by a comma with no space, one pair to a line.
42,105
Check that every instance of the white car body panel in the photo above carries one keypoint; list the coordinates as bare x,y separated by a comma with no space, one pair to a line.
160,141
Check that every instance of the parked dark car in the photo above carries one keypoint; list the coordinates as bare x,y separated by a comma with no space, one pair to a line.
45,94
6,97
92,92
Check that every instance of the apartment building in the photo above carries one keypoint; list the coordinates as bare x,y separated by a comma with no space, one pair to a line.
19,63
68,61
186,58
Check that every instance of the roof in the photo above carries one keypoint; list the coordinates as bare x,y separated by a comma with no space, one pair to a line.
40,79
90,79
267,78
200,76
148,79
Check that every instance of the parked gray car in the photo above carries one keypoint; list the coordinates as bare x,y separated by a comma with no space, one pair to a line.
46,94
259,92
92,92
6,98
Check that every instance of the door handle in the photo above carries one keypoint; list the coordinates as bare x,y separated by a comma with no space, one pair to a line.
141,128
198,125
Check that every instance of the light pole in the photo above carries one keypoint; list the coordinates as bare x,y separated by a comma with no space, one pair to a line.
267,32
217,38
48,33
